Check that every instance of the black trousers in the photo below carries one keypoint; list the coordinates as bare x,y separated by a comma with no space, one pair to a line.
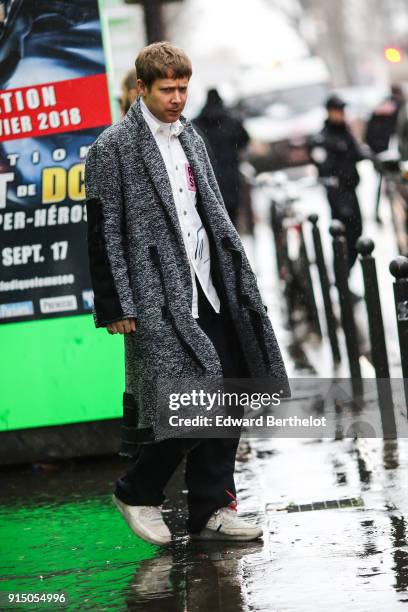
345,207
209,462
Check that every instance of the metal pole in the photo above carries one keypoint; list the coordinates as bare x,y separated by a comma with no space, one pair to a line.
325,285
365,247
278,236
399,269
378,201
313,314
337,230
154,24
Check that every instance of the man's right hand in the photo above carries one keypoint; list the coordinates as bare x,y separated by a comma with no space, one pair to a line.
122,327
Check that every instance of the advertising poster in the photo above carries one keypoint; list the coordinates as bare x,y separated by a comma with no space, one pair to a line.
54,101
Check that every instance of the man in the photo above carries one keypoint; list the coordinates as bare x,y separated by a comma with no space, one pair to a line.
169,272
383,122
227,137
382,135
335,152
403,132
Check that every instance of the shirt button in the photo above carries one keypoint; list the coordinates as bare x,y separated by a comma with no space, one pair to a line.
185,212
181,190
188,234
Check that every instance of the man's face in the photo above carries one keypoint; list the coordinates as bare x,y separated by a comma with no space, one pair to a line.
166,98
337,115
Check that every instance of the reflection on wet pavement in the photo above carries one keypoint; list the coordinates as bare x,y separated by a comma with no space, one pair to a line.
61,533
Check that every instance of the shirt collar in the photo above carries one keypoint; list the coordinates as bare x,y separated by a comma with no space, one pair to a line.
157,126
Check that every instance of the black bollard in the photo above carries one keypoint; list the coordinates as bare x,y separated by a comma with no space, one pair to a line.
365,247
347,315
325,285
399,269
308,286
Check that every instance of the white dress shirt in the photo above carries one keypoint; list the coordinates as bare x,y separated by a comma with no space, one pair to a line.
185,197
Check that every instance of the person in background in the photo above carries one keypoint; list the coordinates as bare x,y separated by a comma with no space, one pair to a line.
129,91
403,132
383,122
382,134
335,152
227,137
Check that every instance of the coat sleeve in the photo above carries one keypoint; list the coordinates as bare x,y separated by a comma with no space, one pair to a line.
113,300
358,153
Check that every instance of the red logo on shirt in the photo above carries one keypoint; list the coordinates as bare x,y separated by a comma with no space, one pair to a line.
190,178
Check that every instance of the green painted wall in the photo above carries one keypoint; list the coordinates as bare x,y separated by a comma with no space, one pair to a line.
58,371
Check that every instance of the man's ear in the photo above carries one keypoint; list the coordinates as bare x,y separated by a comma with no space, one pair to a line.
142,88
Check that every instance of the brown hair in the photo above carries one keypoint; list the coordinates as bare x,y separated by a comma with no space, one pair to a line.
129,91
129,80
160,61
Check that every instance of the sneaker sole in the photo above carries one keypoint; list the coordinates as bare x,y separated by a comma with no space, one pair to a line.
146,535
208,534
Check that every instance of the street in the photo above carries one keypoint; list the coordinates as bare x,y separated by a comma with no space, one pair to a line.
146,147
61,533
333,509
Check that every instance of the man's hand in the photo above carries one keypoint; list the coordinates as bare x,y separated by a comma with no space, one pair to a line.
122,327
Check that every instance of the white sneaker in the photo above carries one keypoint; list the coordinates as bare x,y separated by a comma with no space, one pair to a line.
225,524
146,521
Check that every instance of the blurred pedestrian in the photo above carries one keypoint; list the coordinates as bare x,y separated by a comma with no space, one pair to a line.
129,91
163,258
335,152
403,132
383,122
227,137
382,134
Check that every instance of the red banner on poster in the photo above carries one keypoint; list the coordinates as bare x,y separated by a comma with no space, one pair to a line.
51,108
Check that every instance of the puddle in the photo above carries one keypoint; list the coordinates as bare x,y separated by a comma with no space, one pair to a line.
60,533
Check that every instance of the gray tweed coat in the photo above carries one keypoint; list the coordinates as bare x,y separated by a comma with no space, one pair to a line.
139,268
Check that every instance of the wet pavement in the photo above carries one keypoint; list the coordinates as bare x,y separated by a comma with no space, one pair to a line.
304,353
61,533
334,510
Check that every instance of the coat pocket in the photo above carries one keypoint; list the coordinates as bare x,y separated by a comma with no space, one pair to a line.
236,257
257,321
167,313
255,316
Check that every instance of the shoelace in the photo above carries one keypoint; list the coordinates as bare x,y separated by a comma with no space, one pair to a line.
234,504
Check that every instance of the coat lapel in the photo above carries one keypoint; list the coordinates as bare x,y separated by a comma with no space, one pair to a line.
156,167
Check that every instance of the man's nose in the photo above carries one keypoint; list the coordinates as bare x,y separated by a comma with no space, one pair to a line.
176,96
